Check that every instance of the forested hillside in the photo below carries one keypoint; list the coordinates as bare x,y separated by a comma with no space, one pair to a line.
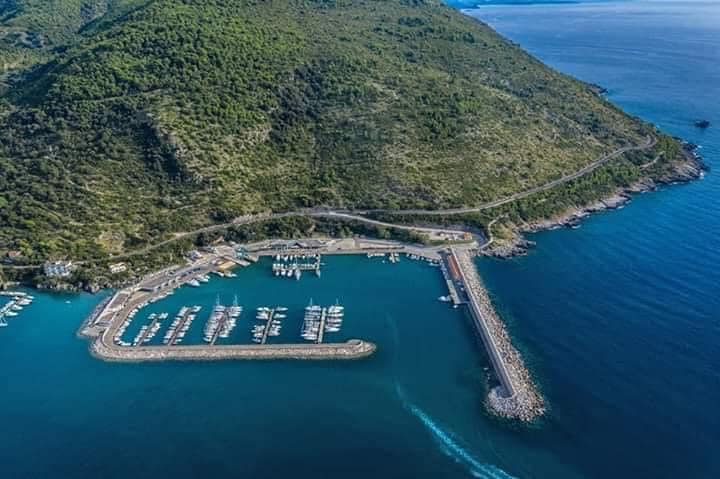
124,121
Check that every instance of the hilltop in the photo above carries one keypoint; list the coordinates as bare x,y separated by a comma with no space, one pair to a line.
124,122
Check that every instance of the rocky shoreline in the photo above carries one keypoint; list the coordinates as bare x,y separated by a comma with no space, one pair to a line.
518,245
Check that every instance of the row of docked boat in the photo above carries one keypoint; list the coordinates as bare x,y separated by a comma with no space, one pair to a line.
222,321
295,257
161,296
180,325
310,330
217,317
287,271
416,257
225,274
272,325
233,313
149,331
197,282
117,338
392,257
334,318
14,306
319,320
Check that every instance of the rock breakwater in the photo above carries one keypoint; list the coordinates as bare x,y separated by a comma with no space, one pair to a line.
516,397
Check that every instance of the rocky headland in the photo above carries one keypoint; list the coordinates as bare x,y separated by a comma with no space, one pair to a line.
517,245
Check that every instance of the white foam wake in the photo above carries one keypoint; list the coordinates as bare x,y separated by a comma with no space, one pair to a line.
450,445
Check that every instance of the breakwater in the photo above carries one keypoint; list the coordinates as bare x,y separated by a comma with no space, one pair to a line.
352,349
516,396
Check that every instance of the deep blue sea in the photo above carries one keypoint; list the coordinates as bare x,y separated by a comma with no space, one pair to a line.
619,321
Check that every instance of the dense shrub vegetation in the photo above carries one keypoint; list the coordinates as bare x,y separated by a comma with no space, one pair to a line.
123,121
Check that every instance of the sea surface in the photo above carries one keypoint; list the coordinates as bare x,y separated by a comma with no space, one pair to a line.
619,321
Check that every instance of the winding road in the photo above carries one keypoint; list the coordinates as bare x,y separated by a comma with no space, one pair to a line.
358,215
649,143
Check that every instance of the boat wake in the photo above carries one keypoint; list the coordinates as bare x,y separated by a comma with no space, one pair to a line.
449,444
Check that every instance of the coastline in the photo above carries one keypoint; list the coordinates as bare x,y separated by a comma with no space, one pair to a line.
693,168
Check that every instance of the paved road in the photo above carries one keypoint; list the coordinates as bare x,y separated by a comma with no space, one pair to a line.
649,143
358,214
358,217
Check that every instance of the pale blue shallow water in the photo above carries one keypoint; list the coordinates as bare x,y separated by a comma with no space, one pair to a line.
619,321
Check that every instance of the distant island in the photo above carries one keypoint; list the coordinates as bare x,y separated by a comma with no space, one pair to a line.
133,131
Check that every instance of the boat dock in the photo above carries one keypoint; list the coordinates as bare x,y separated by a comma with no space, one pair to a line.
146,332
221,324
516,396
292,265
452,277
321,332
179,327
266,331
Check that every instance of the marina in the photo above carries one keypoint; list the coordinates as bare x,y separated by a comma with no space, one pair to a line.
110,327
515,396
618,319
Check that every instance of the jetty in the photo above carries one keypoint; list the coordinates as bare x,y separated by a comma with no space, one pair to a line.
516,395
352,349
266,331
143,336
224,316
321,331
178,328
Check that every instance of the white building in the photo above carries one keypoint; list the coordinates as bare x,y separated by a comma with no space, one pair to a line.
58,269
117,268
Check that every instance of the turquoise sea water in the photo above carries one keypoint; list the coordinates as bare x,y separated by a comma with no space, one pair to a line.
619,321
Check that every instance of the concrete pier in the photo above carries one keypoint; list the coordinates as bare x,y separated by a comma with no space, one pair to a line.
266,331
147,331
321,332
352,349
219,328
173,339
516,396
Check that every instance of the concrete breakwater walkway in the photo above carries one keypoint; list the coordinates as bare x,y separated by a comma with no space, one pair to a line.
352,349
516,397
